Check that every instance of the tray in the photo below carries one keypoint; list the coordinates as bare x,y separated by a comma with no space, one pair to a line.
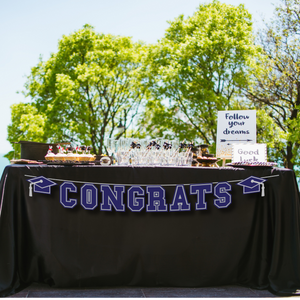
253,164
25,161
70,163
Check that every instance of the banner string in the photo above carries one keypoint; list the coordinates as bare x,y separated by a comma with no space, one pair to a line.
143,184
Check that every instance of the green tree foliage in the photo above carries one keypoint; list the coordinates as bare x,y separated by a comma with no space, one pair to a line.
198,67
268,132
87,86
27,125
276,84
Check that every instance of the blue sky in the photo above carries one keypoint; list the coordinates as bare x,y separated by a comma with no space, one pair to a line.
32,28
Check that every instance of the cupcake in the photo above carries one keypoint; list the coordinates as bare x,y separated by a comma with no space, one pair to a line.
61,156
77,155
70,156
83,155
89,156
50,155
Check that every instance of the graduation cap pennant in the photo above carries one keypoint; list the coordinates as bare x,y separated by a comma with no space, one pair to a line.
40,184
252,184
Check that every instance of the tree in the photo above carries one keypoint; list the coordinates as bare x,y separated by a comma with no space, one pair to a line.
276,84
93,82
198,69
27,124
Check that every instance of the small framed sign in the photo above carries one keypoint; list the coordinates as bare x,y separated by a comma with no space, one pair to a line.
249,153
234,127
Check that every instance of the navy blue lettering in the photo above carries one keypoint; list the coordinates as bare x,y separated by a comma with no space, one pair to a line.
114,198
135,203
224,198
64,189
156,199
201,190
89,196
180,202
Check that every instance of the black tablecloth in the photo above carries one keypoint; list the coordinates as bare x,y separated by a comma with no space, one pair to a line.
59,235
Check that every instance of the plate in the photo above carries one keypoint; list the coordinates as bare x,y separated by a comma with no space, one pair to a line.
25,161
253,164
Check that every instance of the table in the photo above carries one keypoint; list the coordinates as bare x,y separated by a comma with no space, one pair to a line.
149,226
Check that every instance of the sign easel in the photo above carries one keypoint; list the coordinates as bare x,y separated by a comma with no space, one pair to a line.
234,127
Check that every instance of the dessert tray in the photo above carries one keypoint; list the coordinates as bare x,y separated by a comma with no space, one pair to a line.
69,162
252,164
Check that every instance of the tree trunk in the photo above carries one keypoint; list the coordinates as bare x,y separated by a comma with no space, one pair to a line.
289,155
289,149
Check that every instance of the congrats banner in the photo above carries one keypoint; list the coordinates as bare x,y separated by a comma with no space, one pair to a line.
138,197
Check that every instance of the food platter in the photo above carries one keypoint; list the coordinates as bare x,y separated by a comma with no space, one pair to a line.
207,161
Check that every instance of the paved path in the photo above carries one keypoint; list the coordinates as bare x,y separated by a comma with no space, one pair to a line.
231,291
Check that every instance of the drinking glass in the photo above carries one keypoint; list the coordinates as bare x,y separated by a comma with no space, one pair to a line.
123,157
110,145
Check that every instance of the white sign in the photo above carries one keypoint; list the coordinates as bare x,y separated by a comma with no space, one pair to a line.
235,127
249,153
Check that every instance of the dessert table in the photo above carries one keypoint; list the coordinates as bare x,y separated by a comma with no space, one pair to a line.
94,226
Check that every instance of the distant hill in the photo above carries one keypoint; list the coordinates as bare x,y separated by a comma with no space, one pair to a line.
3,163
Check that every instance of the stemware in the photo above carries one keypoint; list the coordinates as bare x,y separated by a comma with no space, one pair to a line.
110,143
153,152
